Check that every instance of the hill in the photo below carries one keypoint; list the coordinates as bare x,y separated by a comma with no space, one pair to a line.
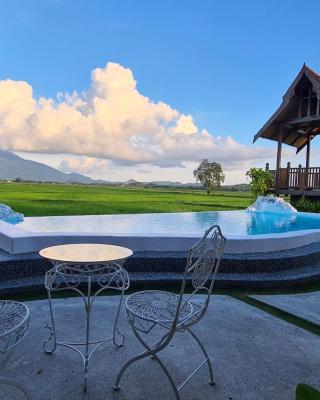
13,167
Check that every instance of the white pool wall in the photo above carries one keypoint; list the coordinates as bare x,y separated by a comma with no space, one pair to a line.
16,240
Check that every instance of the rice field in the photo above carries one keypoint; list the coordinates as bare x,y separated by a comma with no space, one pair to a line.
40,199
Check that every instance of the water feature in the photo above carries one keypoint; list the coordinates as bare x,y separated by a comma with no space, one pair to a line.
8,215
271,204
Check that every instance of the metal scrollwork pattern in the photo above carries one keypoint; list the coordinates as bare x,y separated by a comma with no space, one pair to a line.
155,305
71,276
14,325
204,257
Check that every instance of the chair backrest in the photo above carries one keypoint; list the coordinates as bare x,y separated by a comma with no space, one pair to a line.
202,265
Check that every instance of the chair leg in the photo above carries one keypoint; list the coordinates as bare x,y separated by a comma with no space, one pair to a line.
126,365
211,380
174,388
149,352
153,350
140,357
10,382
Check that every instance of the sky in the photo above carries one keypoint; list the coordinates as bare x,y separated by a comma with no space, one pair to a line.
145,90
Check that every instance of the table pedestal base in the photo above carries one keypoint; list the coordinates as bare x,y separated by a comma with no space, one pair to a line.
87,348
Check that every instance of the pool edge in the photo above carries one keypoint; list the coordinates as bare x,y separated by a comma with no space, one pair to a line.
16,240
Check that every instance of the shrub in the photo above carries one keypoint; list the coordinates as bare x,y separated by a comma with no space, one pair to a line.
307,205
261,181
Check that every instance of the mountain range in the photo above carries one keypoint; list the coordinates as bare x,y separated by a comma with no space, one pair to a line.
13,167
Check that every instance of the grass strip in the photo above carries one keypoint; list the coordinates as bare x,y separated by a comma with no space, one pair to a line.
279,313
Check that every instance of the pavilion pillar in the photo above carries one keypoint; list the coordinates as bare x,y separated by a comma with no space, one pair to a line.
308,152
280,136
306,177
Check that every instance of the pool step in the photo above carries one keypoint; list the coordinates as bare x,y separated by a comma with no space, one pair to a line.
284,280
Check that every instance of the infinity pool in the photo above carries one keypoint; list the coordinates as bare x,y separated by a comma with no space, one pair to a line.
176,224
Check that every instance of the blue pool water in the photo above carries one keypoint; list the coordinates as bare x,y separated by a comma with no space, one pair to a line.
176,224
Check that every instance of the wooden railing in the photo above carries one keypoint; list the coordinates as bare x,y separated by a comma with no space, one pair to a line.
296,178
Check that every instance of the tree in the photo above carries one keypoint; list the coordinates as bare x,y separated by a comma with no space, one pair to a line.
210,174
261,181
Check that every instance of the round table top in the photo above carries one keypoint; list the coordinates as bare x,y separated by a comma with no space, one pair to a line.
86,253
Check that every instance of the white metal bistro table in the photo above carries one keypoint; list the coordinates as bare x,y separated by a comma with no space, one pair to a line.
87,269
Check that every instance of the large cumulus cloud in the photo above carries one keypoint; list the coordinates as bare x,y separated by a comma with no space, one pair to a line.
111,120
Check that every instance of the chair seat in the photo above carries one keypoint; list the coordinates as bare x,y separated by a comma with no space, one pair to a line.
14,323
158,306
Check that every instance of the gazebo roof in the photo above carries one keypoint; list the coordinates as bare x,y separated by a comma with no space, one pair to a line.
295,131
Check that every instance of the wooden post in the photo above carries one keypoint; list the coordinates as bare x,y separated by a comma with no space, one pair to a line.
308,152
306,177
288,175
299,176
279,157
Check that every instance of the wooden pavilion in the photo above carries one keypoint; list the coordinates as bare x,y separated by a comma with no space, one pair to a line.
296,122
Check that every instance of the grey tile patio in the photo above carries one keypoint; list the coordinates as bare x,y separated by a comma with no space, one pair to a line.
256,357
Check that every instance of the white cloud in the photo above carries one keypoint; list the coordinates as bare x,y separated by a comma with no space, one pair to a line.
83,165
110,121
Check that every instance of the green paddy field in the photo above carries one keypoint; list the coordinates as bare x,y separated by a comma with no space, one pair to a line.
36,199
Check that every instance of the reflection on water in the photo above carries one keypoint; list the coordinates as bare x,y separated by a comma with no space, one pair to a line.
176,224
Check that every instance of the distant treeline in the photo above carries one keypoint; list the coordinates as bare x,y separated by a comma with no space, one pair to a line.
243,187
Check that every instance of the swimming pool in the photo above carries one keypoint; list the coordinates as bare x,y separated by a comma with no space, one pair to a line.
191,224
245,231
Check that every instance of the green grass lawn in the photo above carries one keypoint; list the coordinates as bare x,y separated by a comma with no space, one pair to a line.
33,199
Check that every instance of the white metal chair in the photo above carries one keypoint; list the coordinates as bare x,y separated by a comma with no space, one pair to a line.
14,325
175,313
